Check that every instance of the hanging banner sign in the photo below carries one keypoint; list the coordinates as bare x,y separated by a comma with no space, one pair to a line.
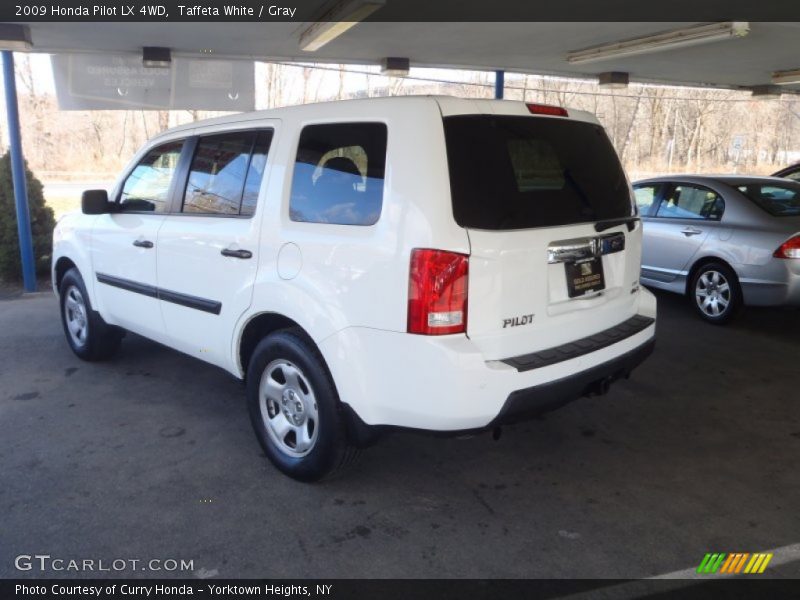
121,81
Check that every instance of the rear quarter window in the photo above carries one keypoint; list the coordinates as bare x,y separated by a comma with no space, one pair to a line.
339,173
779,200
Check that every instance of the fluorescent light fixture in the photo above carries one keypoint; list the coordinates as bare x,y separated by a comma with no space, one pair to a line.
766,90
614,80
667,40
786,77
156,57
15,37
338,19
394,66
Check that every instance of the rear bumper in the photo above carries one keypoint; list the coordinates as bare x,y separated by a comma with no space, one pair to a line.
776,283
444,384
530,402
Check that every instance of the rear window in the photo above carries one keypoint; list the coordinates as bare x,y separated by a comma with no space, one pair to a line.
526,172
779,200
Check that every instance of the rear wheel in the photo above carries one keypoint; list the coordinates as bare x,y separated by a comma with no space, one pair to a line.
715,293
89,336
294,408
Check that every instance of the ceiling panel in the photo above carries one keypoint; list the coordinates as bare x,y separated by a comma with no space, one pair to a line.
524,47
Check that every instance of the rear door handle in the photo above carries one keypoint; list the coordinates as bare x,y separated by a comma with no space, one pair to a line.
691,231
236,253
143,244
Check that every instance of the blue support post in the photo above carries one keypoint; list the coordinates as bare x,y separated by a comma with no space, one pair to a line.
18,175
499,84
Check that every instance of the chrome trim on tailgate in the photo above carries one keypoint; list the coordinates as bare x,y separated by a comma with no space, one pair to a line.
582,248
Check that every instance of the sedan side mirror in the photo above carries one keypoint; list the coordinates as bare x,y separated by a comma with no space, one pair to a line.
95,202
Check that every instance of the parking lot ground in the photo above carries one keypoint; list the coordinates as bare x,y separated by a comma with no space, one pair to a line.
151,456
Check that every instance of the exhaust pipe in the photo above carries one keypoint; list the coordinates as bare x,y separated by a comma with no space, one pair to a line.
600,387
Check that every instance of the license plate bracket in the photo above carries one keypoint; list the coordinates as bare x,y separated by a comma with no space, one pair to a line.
585,276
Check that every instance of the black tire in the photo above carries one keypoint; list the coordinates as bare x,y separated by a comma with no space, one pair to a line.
99,340
715,293
308,386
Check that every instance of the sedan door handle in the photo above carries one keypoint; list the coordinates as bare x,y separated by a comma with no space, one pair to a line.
236,253
691,231
143,244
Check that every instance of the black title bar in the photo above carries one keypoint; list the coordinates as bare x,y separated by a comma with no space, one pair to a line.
399,10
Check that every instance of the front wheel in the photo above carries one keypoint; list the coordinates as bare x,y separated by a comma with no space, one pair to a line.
294,408
89,336
715,293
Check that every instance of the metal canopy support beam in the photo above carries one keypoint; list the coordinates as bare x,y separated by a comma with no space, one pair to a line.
18,175
499,84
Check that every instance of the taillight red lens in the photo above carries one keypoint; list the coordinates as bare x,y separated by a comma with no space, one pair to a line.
546,109
789,249
437,292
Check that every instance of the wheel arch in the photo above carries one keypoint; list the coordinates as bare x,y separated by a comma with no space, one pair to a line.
263,324
257,328
699,263
63,264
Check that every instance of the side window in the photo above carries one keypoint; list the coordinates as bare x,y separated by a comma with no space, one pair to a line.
226,173
691,202
645,197
794,175
338,174
147,187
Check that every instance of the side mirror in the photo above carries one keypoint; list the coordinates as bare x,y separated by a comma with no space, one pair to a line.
95,202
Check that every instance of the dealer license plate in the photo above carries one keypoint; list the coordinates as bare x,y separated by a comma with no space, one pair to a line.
584,277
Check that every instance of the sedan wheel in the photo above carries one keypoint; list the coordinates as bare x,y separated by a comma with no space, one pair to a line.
713,293
716,293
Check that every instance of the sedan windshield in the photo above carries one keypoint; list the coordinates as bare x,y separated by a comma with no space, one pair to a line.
779,200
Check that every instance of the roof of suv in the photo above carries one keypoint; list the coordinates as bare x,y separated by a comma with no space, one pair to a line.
730,179
449,105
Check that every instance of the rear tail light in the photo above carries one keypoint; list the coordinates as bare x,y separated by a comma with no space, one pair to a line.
547,109
789,249
437,292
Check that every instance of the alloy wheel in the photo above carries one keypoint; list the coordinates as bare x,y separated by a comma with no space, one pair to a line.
713,293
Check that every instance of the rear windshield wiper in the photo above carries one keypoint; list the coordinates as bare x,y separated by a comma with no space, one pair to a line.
609,223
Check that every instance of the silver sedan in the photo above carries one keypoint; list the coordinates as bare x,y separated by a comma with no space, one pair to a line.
723,241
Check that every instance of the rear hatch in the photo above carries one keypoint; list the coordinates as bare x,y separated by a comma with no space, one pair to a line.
554,248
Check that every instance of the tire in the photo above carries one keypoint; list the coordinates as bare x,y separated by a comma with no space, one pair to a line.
295,410
90,338
715,293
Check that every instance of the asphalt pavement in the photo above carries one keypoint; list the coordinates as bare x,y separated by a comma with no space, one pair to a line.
151,456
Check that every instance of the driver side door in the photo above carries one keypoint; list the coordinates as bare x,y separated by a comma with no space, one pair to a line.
123,243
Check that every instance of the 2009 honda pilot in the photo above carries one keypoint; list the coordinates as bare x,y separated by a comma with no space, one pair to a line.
422,262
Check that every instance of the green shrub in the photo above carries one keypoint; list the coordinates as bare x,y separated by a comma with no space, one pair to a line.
42,223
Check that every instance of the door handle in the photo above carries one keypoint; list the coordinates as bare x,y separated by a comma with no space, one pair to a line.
691,231
143,244
236,253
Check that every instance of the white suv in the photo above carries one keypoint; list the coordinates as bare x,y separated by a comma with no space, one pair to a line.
429,263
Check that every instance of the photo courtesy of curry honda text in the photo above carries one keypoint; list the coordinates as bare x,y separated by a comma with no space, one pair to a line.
428,263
